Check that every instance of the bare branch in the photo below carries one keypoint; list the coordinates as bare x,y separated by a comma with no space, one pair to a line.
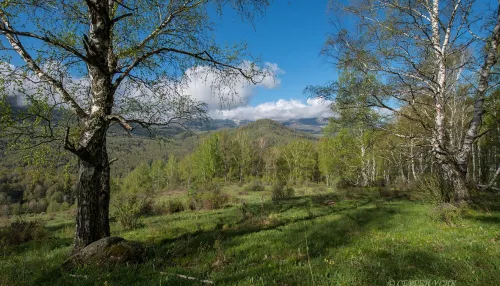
203,56
19,48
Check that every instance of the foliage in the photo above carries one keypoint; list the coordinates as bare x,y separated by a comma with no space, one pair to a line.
139,180
208,197
448,213
280,191
434,187
129,208
175,206
255,186
22,230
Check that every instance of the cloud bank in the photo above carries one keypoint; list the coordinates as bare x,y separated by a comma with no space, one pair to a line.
280,110
224,103
202,84
200,87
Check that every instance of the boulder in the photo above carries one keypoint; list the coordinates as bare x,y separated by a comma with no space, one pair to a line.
106,251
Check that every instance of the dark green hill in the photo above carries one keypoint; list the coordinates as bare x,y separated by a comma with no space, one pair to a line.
274,132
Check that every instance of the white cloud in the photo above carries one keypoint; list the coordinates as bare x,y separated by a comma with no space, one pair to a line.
279,110
200,87
204,84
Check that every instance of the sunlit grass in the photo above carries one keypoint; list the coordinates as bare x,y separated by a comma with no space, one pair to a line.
359,239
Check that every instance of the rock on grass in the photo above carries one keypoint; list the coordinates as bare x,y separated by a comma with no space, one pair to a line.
107,251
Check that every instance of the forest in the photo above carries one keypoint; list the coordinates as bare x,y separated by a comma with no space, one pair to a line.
139,147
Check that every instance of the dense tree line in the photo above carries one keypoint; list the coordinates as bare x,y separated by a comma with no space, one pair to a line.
359,148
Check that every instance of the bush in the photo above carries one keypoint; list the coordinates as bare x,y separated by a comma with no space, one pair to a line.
448,213
65,206
255,187
21,231
53,207
344,184
209,198
434,189
15,209
129,209
4,210
281,192
36,206
321,189
175,206
379,182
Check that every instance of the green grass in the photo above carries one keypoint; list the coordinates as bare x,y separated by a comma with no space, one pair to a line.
360,240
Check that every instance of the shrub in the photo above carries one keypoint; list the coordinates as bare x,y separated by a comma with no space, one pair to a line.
256,186
15,209
209,198
434,189
321,189
245,211
36,206
281,192
344,184
21,231
65,206
4,210
53,207
175,206
129,209
160,208
379,182
448,213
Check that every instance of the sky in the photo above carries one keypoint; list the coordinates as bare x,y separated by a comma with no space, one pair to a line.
290,36
287,39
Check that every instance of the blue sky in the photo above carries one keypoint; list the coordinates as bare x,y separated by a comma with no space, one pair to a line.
290,34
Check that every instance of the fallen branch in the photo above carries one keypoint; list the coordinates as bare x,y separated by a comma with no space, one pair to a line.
188,277
78,276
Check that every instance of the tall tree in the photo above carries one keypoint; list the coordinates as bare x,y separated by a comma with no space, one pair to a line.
111,61
423,53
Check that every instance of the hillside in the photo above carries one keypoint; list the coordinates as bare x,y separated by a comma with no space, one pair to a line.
130,151
274,132
308,125
142,148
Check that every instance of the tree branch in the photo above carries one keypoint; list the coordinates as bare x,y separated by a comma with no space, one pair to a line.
45,39
19,48
203,56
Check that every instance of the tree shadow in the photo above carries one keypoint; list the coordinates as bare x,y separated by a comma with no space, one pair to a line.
352,220
316,228
59,226
486,219
244,227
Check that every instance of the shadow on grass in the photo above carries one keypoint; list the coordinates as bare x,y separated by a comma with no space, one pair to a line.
486,219
319,235
327,228
274,250
59,226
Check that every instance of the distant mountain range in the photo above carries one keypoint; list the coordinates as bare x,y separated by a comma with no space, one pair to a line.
309,125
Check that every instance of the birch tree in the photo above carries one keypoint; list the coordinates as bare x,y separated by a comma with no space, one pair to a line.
116,61
423,53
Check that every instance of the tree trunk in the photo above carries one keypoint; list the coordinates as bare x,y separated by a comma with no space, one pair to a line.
92,220
475,124
93,188
460,191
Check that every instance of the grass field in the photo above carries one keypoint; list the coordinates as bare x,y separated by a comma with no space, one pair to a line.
319,237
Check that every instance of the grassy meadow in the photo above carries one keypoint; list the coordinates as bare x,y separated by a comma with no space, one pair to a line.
320,236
